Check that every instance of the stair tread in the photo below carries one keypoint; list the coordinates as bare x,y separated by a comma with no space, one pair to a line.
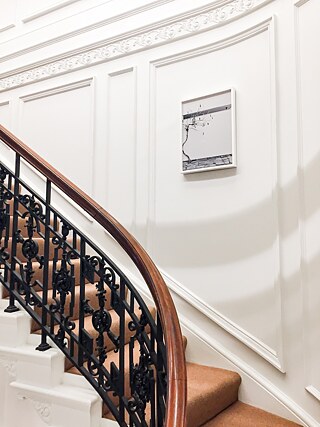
90,294
113,357
115,326
242,415
210,391
40,241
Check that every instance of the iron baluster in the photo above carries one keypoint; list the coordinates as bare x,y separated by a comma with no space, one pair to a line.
83,303
122,296
54,306
12,308
72,292
5,196
30,247
43,346
153,390
139,367
63,283
141,373
161,376
101,318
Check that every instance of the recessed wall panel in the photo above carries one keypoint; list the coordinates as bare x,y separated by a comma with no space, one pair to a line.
308,71
58,124
32,9
7,15
216,233
6,121
121,146
5,116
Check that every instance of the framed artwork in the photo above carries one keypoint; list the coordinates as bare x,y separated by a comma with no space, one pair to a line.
208,132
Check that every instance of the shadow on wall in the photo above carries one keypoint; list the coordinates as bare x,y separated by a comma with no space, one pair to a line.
234,237
246,234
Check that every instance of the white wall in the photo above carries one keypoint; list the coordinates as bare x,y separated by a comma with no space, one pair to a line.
96,88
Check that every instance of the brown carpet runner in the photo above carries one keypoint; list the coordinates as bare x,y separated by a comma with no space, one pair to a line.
212,392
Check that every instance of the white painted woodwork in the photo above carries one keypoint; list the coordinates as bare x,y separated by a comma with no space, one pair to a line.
121,150
65,135
309,92
96,88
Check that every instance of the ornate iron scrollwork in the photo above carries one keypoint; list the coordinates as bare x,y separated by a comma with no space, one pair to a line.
63,284
30,247
101,318
142,379
81,295
142,373
5,196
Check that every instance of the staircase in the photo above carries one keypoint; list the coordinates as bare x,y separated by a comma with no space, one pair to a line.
83,304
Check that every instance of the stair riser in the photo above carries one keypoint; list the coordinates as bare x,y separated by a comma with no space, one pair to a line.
115,328
24,230
127,393
40,242
38,274
91,295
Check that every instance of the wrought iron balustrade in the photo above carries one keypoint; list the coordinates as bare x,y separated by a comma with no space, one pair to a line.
85,304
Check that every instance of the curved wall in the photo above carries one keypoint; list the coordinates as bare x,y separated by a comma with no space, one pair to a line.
96,88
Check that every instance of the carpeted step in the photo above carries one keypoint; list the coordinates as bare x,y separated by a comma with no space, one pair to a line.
242,415
38,274
210,391
40,242
113,357
24,230
115,328
90,292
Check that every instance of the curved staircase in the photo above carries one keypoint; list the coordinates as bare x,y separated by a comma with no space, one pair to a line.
132,354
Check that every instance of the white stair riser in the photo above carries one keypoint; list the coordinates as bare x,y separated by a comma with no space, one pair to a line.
32,388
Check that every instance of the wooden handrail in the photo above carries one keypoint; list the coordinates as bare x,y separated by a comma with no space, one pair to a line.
176,366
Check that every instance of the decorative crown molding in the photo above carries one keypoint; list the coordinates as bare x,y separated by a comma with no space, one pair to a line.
128,43
41,12
84,30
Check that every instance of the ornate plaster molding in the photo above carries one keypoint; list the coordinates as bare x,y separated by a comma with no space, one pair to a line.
43,409
9,365
128,43
84,30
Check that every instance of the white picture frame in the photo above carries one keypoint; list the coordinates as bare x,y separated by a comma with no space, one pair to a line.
208,140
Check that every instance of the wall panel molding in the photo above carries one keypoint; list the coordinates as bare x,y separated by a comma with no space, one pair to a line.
291,405
7,27
127,146
5,103
300,3
243,336
274,357
84,30
203,19
58,89
313,391
304,143
46,11
33,96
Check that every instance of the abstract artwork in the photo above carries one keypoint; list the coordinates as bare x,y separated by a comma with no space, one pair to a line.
208,132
